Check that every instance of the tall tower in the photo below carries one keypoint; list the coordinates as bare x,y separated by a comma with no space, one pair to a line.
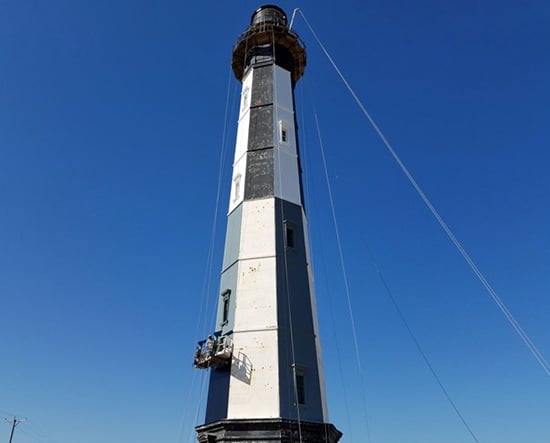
266,379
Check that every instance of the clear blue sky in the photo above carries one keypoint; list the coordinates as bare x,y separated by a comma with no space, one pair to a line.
111,128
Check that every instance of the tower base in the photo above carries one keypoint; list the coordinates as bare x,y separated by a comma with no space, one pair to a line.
275,430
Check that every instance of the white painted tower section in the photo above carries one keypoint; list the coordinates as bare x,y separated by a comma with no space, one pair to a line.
254,384
287,175
253,388
239,162
266,380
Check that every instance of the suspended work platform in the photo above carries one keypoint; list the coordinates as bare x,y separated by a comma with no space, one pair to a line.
215,351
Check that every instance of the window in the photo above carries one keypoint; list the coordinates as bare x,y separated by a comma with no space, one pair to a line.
225,310
299,384
283,129
300,389
237,187
225,307
289,235
245,99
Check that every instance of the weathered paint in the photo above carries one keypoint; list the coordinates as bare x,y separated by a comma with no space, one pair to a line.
254,390
262,88
287,177
257,236
283,89
272,316
298,340
241,145
232,238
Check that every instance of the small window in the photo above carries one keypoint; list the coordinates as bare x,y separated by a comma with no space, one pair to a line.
237,187
283,127
289,235
300,389
225,312
245,99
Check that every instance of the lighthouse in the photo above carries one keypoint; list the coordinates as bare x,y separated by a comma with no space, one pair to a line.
266,379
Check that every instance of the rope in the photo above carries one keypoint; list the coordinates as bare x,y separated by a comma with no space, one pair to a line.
338,353
210,258
186,408
202,318
339,242
292,345
344,275
498,301
394,302
421,351
191,436
307,198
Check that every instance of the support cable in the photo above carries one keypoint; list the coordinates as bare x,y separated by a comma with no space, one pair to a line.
210,258
307,198
202,318
202,389
339,243
287,290
339,356
420,349
186,408
498,301
345,277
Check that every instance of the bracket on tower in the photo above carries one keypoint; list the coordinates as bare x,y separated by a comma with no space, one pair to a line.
215,351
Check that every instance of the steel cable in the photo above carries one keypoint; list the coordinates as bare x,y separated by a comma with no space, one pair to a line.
498,301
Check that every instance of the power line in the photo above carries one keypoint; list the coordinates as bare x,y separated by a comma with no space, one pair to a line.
14,422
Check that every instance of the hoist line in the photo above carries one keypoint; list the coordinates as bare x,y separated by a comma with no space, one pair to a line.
498,301
222,162
202,318
308,198
287,287
304,155
420,349
338,353
210,257
344,275
187,402
338,356
339,243
198,405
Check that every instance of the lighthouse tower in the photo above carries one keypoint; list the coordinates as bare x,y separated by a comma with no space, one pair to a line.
266,379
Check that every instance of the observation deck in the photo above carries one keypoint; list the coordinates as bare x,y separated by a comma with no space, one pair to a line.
268,28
